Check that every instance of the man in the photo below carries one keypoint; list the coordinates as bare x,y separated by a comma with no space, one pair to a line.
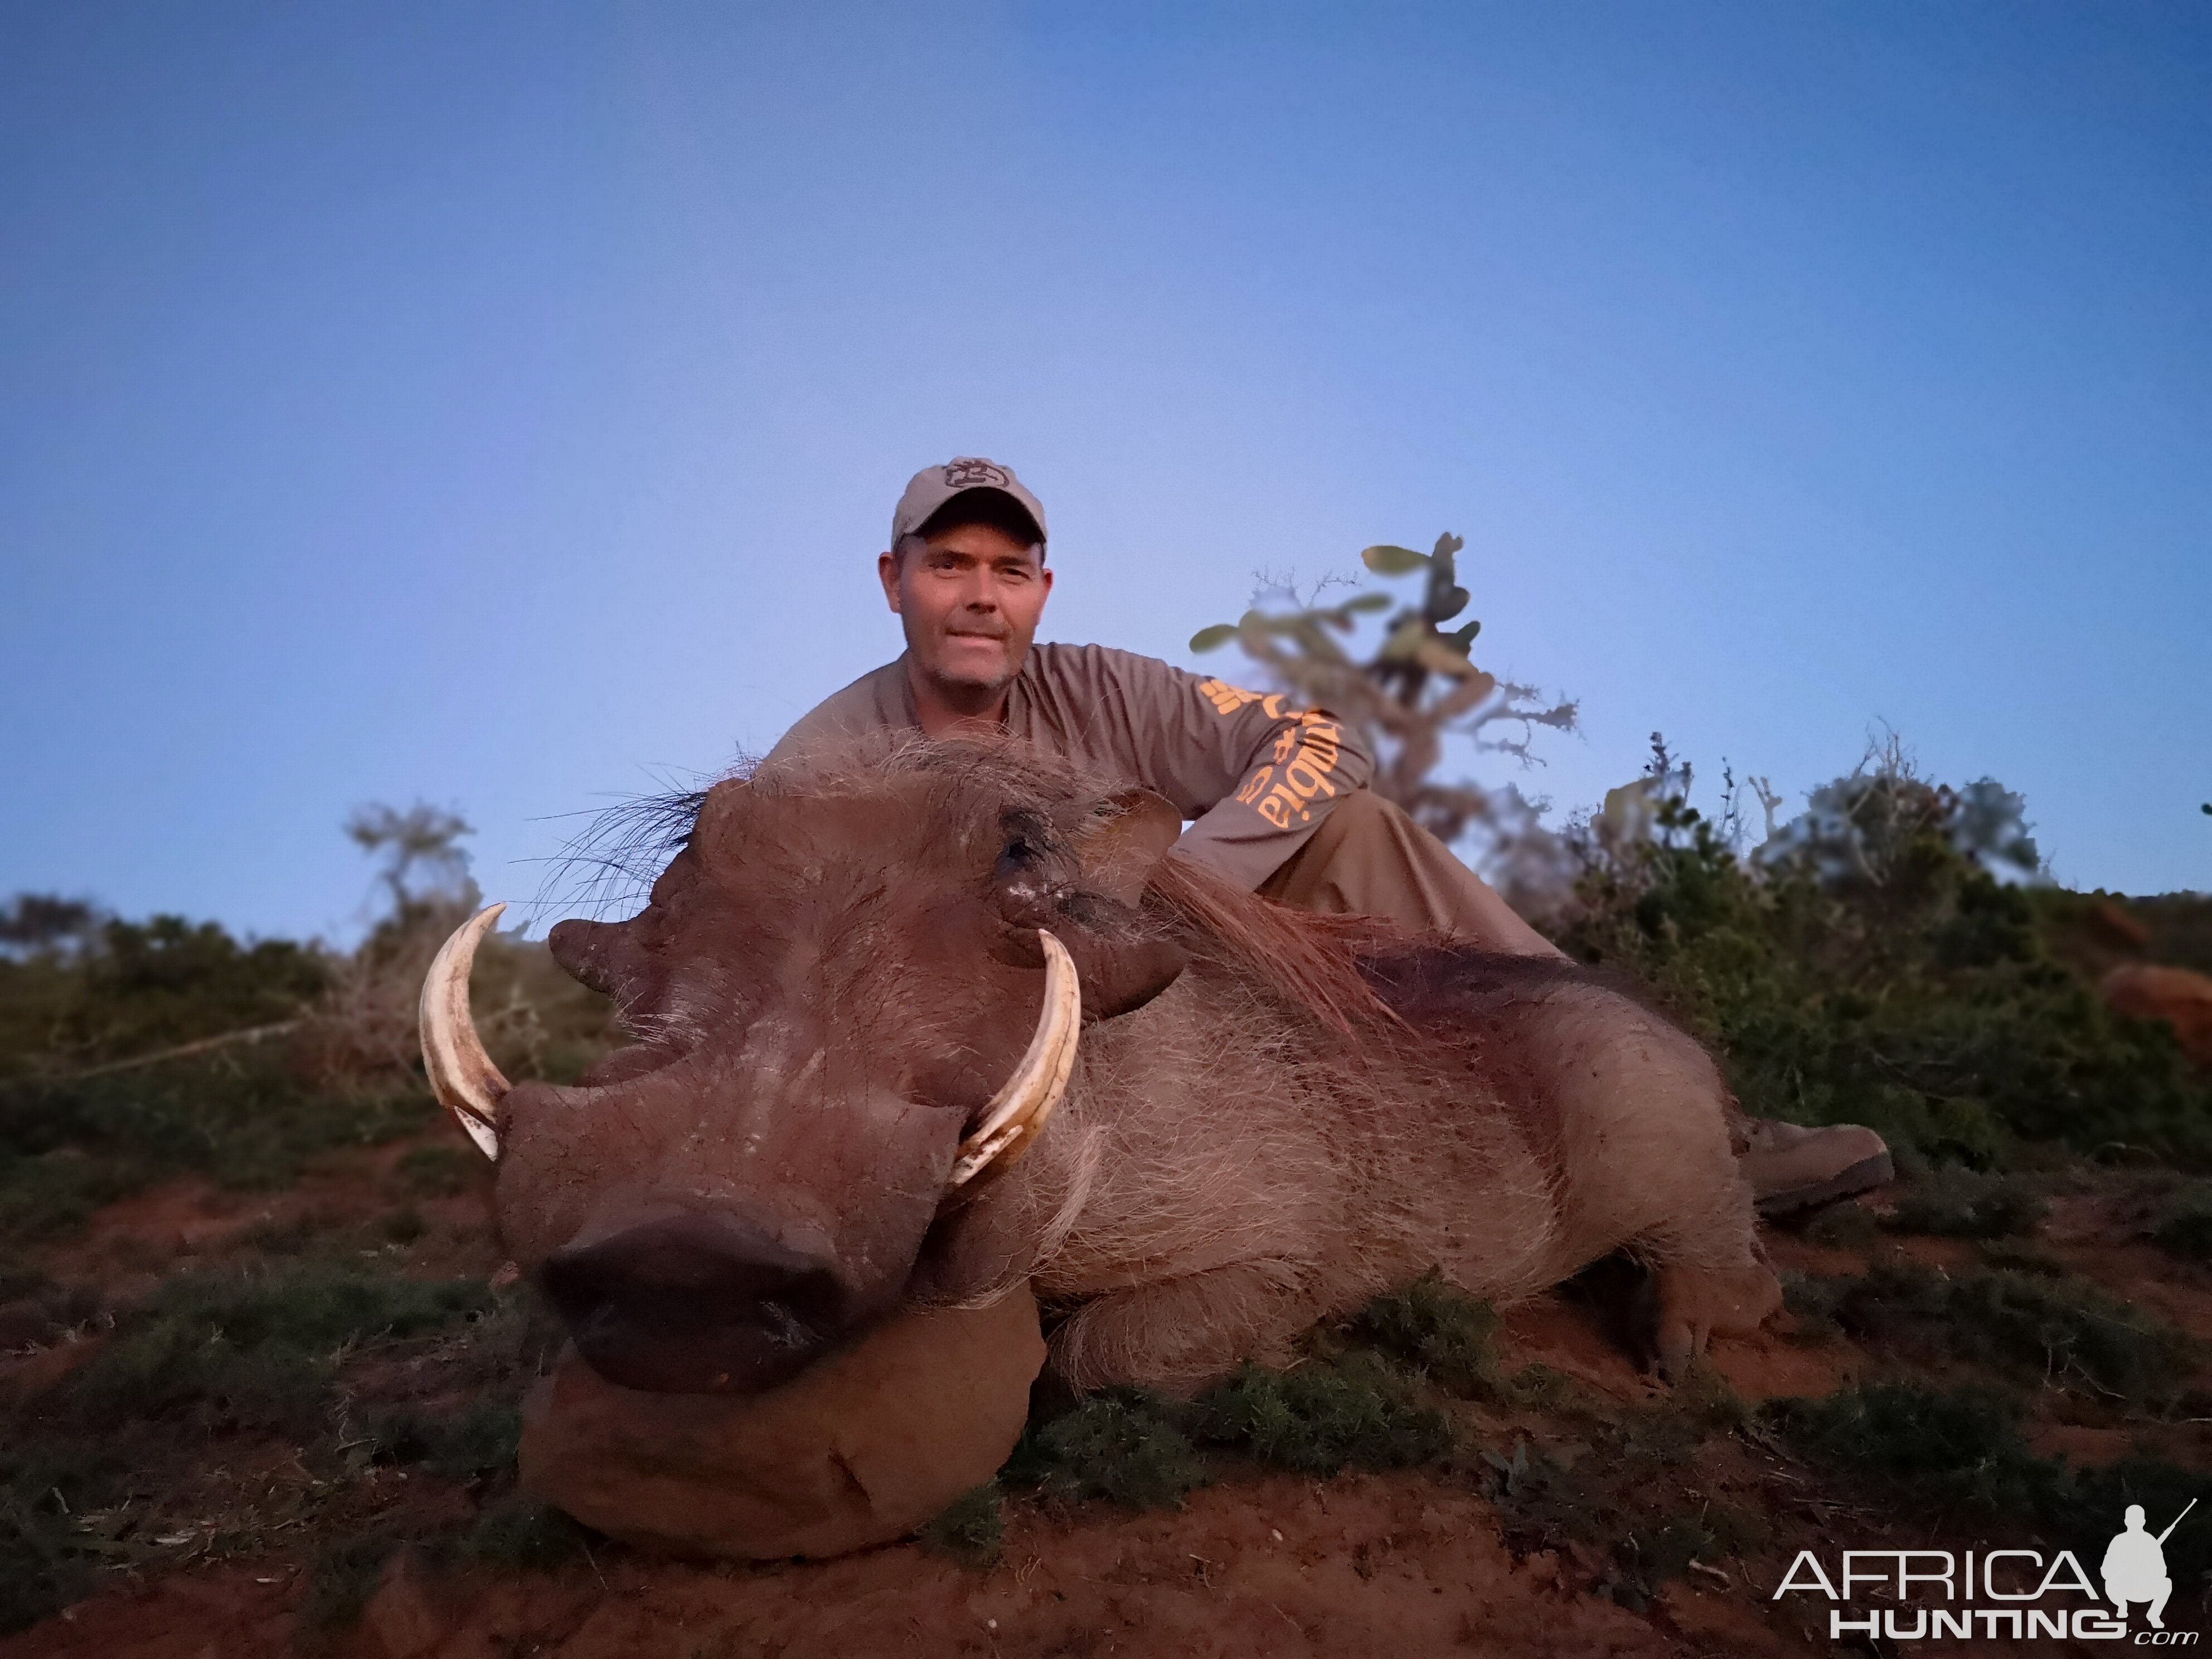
1279,794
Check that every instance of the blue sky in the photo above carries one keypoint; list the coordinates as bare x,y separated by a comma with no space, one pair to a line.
502,406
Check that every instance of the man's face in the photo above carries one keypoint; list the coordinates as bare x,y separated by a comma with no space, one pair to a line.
969,601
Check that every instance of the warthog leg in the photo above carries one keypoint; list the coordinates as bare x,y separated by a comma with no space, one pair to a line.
1178,1334
1698,1302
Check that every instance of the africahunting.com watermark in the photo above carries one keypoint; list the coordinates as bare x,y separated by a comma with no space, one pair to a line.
1931,1594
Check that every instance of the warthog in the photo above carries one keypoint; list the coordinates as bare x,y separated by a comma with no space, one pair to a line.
842,1096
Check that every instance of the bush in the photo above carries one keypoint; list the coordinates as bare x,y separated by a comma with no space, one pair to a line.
1449,1336
1123,1445
519,1533
1954,1452
478,1441
971,1531
143,986
342,1577
1902,986
1613,1499
1318,1419
437,1171
2063,1335
1941,1454
1956,1203
2182,1224
255,1348
250,1115
44,1565
245,1123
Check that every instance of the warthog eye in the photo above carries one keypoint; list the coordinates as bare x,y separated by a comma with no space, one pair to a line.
1029,844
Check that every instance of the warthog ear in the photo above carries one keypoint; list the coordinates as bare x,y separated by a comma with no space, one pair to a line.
1119,847
1122,958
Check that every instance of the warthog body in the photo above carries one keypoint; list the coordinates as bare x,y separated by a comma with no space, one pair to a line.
1270,1115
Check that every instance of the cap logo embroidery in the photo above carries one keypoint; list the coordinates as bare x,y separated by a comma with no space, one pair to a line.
965,474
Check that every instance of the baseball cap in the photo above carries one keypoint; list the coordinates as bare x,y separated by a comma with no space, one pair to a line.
933,486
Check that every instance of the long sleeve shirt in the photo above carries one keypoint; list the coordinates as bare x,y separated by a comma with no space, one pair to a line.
1257,774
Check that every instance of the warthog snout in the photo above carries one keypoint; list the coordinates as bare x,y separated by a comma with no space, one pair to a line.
697,1302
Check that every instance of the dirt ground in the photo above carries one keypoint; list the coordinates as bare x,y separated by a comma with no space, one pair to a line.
1407,1564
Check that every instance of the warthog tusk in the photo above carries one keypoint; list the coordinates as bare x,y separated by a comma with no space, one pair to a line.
462,1075
1017,1113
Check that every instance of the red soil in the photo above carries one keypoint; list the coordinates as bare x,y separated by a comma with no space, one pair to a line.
1404,1564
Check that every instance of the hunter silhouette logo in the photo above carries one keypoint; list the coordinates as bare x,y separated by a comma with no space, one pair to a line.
2135,1565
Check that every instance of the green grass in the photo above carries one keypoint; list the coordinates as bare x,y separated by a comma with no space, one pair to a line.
229,1362
1619,1494
438,1171
2182,1224
1123,1446
66,1148
970,1531
1959,1203
1320,1420
255,1347
1953,1453
479,1440
524,1536
44,1562
1449,1337
2027,1327
1944,1456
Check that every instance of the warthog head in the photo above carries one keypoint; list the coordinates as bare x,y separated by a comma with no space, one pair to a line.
854,997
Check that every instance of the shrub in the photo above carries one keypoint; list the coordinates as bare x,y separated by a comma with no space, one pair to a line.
342,1577
44,1562
2182,1224
971,1530
437,1170
66,1147
1842,1227
478,1441
1450,1336
1123,1445
519,1533
139,987
255,1348
1615,1504
1893,981
1958,1203
2062,1334
1317,1420
1954,1451
1963,1453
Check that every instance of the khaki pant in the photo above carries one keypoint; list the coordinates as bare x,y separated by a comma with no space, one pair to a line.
1369,858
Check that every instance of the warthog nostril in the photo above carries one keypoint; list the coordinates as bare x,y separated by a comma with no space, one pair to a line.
697,1303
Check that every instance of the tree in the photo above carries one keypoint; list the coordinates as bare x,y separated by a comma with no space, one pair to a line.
423,862
1418,688
37,924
